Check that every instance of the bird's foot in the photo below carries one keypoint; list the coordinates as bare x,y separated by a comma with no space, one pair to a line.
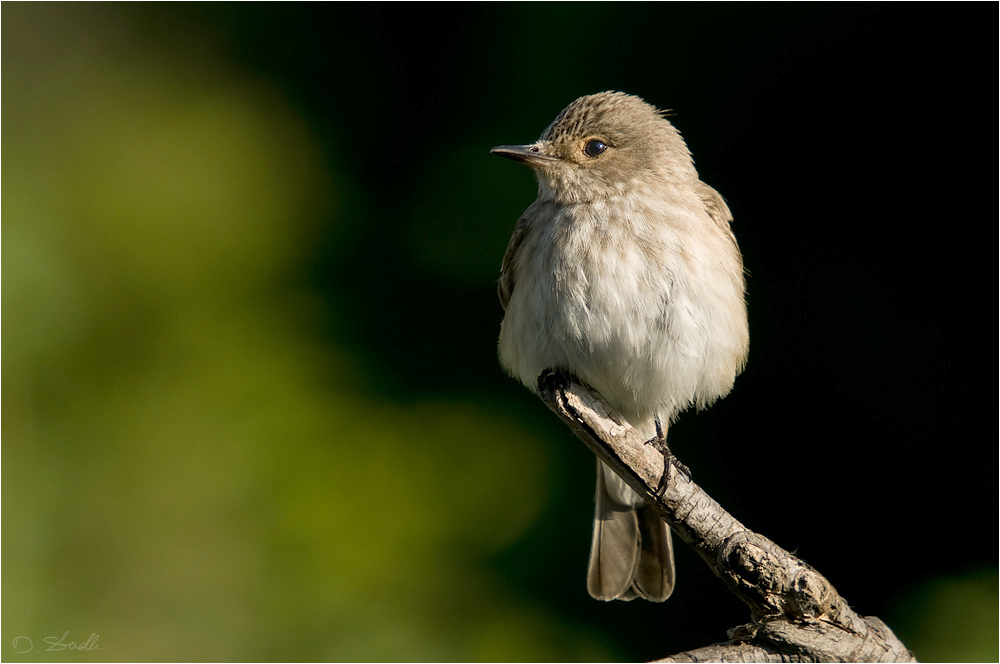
659,443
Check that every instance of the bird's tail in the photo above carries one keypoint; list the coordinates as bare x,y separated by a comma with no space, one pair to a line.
631,554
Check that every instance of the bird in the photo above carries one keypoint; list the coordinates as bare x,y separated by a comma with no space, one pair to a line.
624,273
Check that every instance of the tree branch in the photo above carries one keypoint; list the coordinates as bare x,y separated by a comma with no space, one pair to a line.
795,613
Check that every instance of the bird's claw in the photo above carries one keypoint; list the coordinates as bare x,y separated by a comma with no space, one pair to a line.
659,444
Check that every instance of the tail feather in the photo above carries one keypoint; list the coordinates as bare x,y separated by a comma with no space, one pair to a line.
631,554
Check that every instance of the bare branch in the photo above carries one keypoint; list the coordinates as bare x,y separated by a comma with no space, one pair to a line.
796,614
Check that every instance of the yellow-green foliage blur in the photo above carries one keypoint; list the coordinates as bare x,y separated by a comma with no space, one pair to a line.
192,469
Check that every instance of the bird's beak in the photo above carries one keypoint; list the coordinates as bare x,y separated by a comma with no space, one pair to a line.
531,155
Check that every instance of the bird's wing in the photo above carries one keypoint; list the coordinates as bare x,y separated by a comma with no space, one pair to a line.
506,285
714,204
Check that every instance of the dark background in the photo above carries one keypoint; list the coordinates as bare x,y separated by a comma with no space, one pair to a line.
852,142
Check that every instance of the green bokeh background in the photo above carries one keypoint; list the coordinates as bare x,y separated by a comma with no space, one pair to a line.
251,408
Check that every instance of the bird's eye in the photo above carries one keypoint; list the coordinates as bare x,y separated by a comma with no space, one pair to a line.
595,147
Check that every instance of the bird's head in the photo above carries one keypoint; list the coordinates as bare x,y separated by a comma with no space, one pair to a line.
605,145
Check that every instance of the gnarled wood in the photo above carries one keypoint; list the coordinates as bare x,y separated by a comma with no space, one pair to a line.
796,615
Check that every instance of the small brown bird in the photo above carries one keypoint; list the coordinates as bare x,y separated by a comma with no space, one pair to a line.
624,272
